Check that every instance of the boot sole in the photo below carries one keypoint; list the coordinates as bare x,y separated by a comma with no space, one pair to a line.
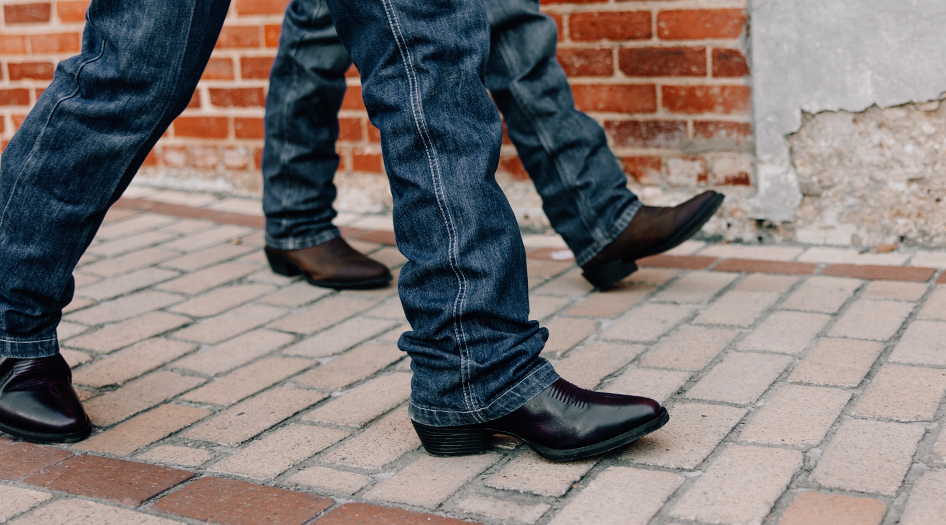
42,437
288,269
474,439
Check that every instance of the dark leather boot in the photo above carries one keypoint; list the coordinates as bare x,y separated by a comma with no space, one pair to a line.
38,403
653,230
333,264
563,423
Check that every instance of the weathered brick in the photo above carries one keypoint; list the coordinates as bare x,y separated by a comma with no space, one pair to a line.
927,503
82,511
663,61
238,37
740,378
323,314
381,443
233,353
365,514
203,280
261,7
767,283
237,97
502,509
130,363
213,255
923,343
30,70
124,284
19,459
648,382
324,479
248,380
137,396
876,320
364,403
177,456
692,348
531,474
729,63
738,308
202,127
616,98
813,508
935,307
566,332
694,431
17,501
785,332
143,430
585,62
697,24
693,100
130,331
130,243
429,481
610,25
646,133
605,500
796,415
277,452
355,365
837,362
647,323
645,169
229,324
33,13
219,69
696,287
221,299
124,308
340,337
542,306
822,294
587,366
903,393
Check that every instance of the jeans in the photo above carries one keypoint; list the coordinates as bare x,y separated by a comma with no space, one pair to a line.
583,189
81,144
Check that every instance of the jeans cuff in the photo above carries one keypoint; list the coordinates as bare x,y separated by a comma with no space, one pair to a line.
28,349
519,394
616,230
298,243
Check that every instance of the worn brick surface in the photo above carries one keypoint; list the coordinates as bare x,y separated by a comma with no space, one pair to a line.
214,255
143,430
566,332
381,443
693,432
587,366
177,456
927,503
568,284
365,514
785,332
542,306
530,473
740,378
503,510
322,314
130,331
341,337
17,500
203,280
365,402
230,324
247,381
129,244
18,460
648,382
903,393
605,501
611,303
647,322
737,308
206,239
796,415
822,294
837,362
235,352
124,308
221,299
814,508
295,295
429,481
766,283
868,319
354,365
129,262
131,362
275,453
895,291
323,479
935,307
696,287
123,284
692,348
135,396
923,343
73,511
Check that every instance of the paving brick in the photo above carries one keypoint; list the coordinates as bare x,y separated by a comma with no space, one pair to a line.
605,501
323,479
542,306
77,303
613,302
763,253
177,456
895,291
206,239
83,280
853,256
837,362
923,343
868,456
876,320
770,267
740,486
74,358
530,473
935,307
18,460
546,269
429,481
938,454
796,415
767,283
129,244
203,258
17,501
277,452
503,510
248,380
566,332
647,323
234,353
587,366
73,511
124,308
683,262
253,416
341,337
143,430
203,280
889,273
694,431
323,314
822,294
785,332
696,287
268,277
187,226
364,403
365,514
295,295
927,503
569,284
138,395
740,378
903,393
229,324
648,382
381,443
129,262
66,330
117,480
692,348
235,502
389,310
130,282
738,308
130,363
355,365
141,223
221,299
128,332
813,508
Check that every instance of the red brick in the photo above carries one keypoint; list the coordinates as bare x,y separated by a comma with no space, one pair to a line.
218,69
512,165
350,129
256,67
38,92
880,273
663,61
643,169
697,24
379,236
757,266
151,160
729,63
55,43
2,126
692,100
27,13
72,11
646,133
586,62
613,25
205,157
194,101
238,97
175,156
353,99
201,127
12,44
713,129
374,134
686,262
17,120
111,479
363,159
219,500
560,24
31,70
352,72
261,7
238,37
366,514
623,98
271,35
248,128
18,460
258,158
736,179
14,97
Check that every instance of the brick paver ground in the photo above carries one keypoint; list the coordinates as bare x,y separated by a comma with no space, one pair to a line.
805,386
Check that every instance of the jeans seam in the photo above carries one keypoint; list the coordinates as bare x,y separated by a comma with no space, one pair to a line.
437,180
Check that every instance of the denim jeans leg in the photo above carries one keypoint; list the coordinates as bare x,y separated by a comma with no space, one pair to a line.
306,87
474,352
583,188
81,144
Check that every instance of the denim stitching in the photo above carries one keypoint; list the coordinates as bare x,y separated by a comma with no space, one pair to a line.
436,178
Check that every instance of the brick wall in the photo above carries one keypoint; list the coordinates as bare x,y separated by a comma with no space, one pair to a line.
668,80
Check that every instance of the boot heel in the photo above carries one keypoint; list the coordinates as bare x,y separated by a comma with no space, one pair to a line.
452,441
282,266
607,275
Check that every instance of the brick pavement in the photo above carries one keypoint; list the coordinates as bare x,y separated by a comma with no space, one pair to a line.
805,386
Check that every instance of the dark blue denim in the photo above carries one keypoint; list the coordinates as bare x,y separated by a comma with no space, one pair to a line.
81,144
474,351
584,191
